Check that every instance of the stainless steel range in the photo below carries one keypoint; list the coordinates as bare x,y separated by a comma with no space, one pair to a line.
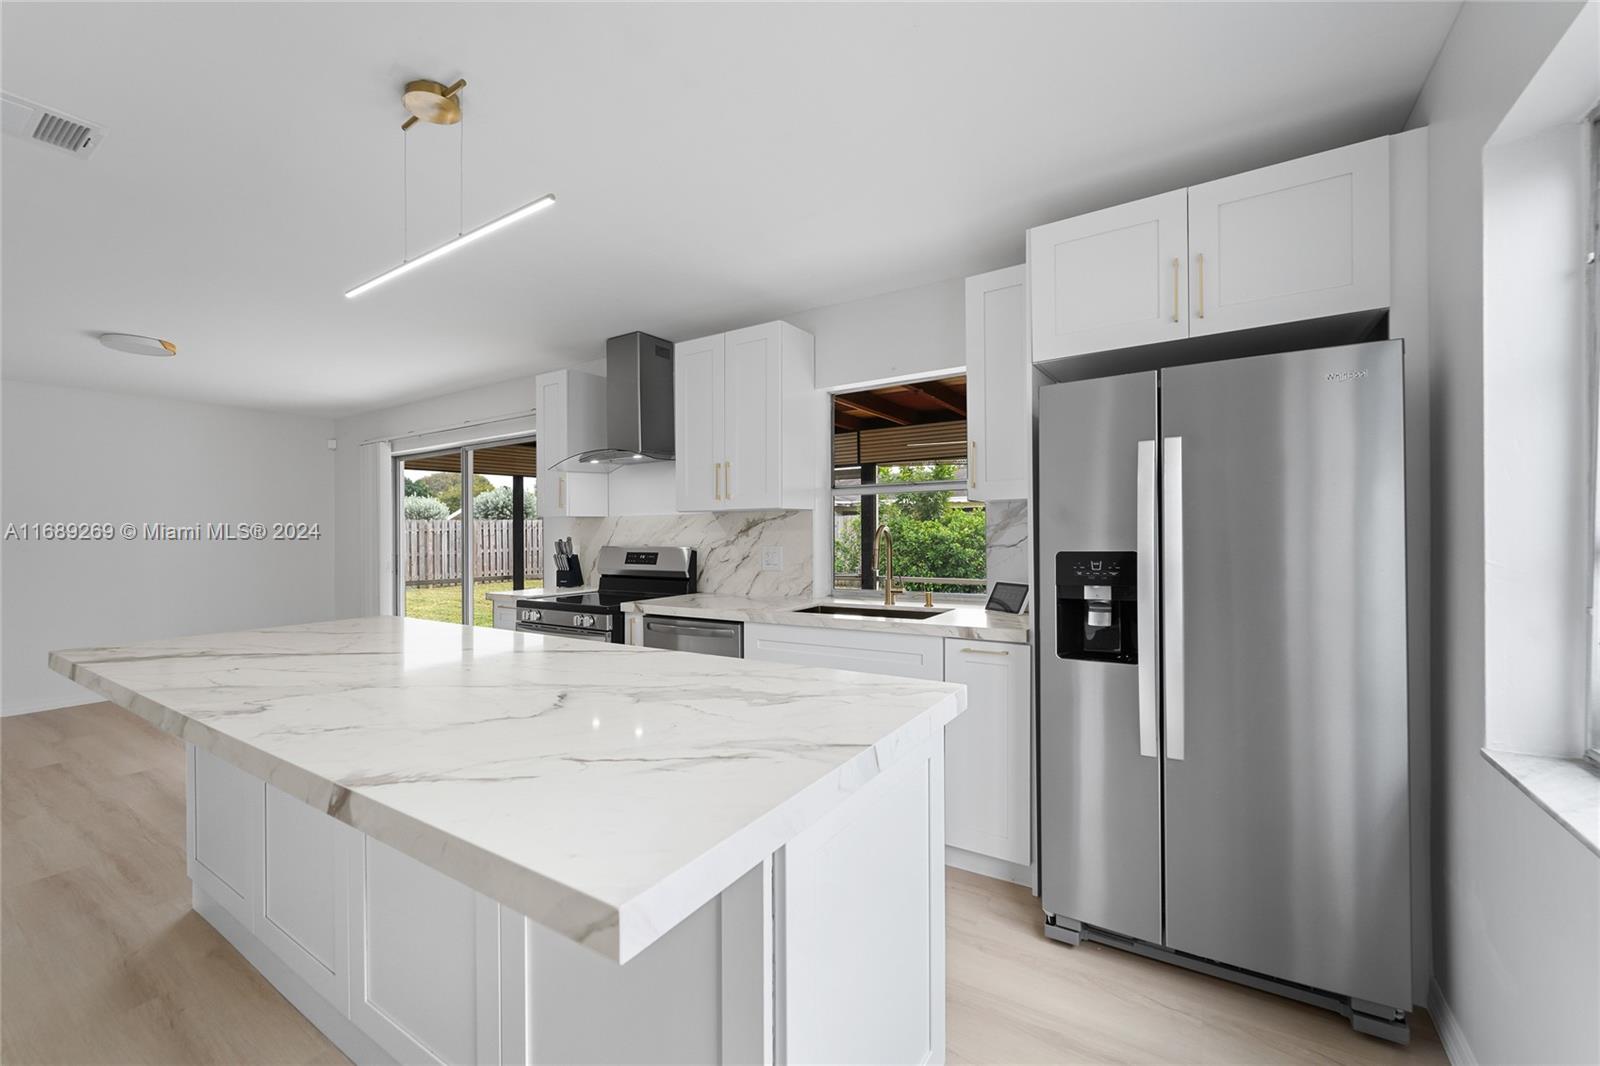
626,574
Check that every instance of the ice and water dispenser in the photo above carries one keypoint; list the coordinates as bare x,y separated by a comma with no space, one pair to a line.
1096,617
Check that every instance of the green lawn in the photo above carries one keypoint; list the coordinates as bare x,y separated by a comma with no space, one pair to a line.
442,603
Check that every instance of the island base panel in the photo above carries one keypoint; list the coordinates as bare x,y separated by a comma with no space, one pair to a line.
833,948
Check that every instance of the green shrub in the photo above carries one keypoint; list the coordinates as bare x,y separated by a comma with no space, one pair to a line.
425,507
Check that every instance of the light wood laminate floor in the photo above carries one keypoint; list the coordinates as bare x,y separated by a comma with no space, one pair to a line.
102,961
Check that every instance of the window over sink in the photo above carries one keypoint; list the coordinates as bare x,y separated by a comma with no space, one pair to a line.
900,460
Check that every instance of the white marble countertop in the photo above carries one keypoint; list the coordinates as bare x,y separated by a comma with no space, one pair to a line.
967,622
605,791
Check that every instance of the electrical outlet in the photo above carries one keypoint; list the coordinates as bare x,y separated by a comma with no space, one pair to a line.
772,557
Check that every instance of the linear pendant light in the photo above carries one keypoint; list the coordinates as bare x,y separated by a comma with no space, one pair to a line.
449,246
440,104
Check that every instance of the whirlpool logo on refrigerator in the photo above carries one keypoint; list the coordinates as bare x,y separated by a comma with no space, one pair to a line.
1345,375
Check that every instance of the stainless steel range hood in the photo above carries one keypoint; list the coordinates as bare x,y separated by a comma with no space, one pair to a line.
639,421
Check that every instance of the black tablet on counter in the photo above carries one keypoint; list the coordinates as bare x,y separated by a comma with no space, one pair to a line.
1007,596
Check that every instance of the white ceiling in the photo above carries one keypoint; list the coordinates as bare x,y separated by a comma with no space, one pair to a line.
714,166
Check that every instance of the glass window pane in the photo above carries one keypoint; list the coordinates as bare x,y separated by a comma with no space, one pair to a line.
430,536
499,473
940,540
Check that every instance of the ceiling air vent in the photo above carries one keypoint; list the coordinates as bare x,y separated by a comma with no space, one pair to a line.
54,128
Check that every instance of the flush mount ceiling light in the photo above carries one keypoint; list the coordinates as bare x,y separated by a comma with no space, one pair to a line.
440,104
134,344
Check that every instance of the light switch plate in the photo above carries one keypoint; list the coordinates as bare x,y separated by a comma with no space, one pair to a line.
772,557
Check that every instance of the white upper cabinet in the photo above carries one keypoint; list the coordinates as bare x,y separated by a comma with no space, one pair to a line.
1298,240
752,419
751,428
697,404
1111,279
571,418
999,427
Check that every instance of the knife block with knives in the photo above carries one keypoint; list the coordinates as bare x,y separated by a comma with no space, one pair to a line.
569,572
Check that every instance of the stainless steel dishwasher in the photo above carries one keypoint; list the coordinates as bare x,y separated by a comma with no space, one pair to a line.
706,636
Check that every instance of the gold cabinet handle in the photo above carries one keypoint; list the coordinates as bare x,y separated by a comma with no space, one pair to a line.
985,651
561,492
716,478
727,478
1202,259
1174,288
972,464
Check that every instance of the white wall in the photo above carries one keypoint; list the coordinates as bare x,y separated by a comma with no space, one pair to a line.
71,455
1516,934
913,333
1537,192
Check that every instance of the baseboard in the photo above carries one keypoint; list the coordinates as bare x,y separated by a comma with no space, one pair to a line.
987,866
1451,1035
356,1045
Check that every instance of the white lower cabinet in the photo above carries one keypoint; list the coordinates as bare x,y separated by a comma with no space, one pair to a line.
425,978
305,893
988,751
900,655
505,616
396,962
225,828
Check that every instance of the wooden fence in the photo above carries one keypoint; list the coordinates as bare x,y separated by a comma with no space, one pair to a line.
432,549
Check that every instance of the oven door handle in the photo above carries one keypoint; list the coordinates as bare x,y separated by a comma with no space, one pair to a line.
679,627
559,631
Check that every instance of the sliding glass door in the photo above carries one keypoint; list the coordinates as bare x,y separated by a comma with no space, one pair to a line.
467,526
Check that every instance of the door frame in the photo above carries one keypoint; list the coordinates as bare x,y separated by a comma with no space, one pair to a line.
464,452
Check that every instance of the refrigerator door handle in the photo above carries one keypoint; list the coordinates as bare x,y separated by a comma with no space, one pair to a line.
1172,588
1149,659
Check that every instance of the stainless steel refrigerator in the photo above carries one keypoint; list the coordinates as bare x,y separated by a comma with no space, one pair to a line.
1222,681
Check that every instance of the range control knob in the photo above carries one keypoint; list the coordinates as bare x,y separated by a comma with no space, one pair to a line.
531,616
585,621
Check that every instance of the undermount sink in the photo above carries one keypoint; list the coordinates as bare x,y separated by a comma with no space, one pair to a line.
867,610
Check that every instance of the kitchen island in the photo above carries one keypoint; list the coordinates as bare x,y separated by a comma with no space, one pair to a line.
452,844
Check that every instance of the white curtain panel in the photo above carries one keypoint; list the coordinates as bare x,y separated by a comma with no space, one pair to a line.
377,516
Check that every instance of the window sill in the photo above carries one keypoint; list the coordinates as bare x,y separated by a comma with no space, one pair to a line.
1568,789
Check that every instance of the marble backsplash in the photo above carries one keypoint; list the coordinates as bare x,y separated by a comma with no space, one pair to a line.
728,547
1007,536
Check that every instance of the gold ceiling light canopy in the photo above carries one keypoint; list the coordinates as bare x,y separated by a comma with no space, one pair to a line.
432,101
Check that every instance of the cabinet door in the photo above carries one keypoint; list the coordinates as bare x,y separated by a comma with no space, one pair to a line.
697,411
987,753
999,427
303,902
897,654
551,416
225,826
424,960
505,617
752,418
1298,240
1111,279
